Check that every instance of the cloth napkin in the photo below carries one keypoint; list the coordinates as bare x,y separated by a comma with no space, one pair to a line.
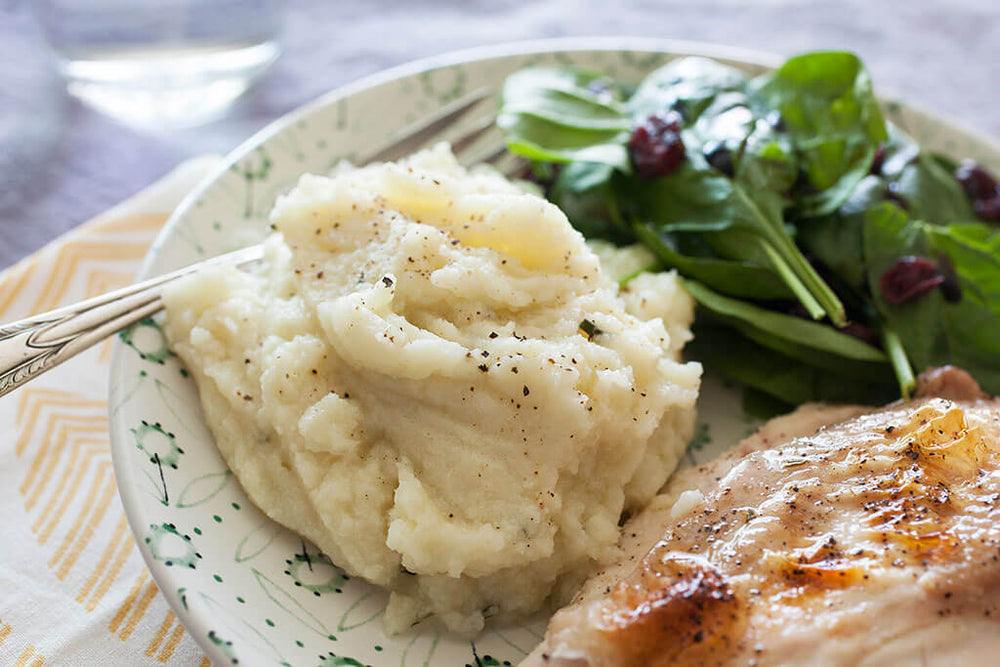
73,588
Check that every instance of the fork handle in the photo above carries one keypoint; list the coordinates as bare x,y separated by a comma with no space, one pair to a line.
31,346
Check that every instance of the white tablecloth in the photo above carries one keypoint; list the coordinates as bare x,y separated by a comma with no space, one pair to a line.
73,588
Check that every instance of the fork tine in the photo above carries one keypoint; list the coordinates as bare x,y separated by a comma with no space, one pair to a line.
415,136
479,142
491,155
495,154
481,127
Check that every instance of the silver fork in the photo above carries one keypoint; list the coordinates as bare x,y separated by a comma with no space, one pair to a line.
31,346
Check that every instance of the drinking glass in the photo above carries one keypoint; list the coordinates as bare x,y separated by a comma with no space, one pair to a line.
161,63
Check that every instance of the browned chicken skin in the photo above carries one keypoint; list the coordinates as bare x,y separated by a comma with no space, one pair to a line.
874,540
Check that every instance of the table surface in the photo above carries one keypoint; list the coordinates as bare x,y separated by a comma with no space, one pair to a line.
61,163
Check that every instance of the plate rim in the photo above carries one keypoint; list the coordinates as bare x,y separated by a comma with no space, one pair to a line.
197,625
447,59
522,47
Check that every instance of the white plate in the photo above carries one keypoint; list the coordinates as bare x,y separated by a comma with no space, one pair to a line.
246,589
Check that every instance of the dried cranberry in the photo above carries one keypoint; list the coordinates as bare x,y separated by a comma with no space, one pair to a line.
862,332
907,278
656,147
951,288
796,309
988,209
982,189
976,181
720,157
877,161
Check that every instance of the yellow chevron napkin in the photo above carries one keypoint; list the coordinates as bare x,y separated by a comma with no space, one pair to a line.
73,588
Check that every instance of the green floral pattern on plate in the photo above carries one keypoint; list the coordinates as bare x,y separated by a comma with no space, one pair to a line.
248,590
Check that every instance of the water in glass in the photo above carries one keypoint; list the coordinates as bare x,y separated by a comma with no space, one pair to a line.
161,63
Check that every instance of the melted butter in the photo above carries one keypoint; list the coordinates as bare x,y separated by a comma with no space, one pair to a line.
940,433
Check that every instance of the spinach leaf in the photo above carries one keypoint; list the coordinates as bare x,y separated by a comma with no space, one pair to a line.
898,151
699,198
931,192
736,278
774,374
798,162
740,213
686,85
693,198
933,330
563,115
738,243
922,183
725,123
826,104
836,241
558,115
767,162
808,341
585,193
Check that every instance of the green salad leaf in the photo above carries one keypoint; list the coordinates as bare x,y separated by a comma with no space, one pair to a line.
739,278
776,375
685,85
584,191
933,329
795,337
564,115
920,183
698,198
792,200
931,192
826,104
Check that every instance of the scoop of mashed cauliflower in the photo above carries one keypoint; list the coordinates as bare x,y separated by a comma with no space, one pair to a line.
433,379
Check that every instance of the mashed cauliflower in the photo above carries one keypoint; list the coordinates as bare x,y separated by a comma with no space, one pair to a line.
433,379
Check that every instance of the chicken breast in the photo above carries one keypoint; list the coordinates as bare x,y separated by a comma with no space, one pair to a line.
872,540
